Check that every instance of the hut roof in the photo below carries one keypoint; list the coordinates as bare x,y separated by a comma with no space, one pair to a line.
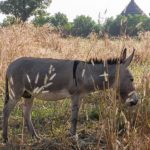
132,8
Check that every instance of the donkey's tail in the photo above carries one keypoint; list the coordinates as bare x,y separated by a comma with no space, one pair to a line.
6,90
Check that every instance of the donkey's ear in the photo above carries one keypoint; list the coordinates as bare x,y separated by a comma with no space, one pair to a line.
129,59
123,54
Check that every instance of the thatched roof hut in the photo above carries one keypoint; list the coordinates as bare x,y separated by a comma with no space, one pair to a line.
132,9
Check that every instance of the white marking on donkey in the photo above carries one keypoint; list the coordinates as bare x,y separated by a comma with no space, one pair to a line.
29,80
45,92
52,77
37,78
83,73
45,79
65,80
11,81
105,75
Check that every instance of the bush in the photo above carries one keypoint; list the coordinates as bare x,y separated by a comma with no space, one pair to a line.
127,25
59,20
41,18
83,26
9,20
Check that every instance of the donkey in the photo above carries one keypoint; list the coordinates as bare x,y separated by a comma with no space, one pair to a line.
55,79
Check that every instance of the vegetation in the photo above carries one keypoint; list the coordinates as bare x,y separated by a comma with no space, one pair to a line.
104,122
41,17
127,25
8,21
59,20
83,26
22,9
130,25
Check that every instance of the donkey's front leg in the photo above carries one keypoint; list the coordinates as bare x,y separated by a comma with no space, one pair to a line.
74,113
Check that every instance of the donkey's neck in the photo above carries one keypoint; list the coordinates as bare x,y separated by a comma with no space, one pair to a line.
92,77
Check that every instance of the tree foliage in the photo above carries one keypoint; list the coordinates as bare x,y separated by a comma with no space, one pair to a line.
59,20
127,25
83,26
22,9
8,21
67,29
41,17
147,24
98,28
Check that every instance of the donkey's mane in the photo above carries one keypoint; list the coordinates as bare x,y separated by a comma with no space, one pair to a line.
109,61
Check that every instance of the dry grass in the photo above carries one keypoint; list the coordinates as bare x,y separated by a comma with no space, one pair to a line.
102,122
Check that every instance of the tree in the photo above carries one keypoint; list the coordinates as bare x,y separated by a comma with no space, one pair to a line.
83,26
98,28
116,26
67,29
9,20
22,9
108,23
41,18
127,25
59,20
147,24
135,24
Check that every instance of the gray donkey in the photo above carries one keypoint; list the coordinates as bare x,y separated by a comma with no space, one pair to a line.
54,79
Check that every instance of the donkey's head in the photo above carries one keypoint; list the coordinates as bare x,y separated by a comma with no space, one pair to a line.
126,84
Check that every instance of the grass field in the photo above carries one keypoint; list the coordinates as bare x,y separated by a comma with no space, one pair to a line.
103,123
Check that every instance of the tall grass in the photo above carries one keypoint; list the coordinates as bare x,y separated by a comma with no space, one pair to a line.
104,122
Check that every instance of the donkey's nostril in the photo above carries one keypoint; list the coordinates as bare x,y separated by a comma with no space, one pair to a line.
132,103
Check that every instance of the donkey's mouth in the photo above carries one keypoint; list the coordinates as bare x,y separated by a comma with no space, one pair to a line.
131,102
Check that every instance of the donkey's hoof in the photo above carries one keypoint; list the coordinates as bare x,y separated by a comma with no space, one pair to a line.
5,140
73,137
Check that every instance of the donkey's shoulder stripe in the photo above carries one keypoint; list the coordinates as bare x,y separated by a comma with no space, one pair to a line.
75,65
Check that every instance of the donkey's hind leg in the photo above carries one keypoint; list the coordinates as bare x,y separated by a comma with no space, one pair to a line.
27,108
8,107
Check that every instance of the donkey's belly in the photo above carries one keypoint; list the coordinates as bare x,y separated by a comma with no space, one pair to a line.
52,96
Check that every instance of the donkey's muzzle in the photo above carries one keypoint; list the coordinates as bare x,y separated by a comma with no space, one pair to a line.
133,102
132,99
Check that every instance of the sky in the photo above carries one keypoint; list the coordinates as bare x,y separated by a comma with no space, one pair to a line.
73,8
92,8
